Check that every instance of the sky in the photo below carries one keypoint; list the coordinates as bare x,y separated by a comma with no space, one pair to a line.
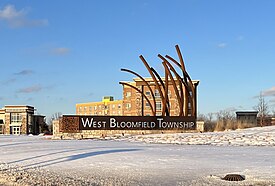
55,54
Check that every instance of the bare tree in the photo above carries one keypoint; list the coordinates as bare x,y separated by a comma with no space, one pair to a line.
262,108
226,120
54,116
201,117
210,116
209,124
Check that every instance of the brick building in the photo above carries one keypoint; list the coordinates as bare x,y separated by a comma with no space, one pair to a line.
20,119
133,103
108,106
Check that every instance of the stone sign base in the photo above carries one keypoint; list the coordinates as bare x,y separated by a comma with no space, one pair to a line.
101,134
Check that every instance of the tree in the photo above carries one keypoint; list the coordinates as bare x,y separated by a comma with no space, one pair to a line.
226,119
262,108
209,124
54,117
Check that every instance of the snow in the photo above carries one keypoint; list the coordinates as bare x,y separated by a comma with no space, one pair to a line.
163,159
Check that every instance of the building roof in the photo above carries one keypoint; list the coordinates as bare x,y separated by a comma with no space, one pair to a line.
254,112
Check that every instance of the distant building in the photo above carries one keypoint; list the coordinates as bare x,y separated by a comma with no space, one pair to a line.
20,119
107,107
133,103
247,118
266,121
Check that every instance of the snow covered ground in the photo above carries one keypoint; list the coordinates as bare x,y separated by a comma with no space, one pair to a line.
164,159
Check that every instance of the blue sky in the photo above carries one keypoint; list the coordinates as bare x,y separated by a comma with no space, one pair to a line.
55,54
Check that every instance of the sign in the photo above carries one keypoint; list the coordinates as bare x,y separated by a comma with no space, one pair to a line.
130,122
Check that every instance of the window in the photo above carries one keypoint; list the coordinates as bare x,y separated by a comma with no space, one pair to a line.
147,104
147,93
128,105
157,94
113,106
1,128
158,105
16,118
85,108
128,94
119,106
90,108
95,108
80,109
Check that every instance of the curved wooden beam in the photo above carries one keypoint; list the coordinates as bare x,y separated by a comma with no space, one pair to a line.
127,84
164,109
147,84
174,86
154,78
188,81
180,82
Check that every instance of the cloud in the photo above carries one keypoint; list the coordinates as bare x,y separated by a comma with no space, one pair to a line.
269,92
9,81
222,45
18,18
24,72
61,51
31,89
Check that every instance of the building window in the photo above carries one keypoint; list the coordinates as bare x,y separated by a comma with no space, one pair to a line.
16,118
158,105
128,105
157,94
80,109
85,108
119,106
147,104
128,94
1,128
147,93
90,108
